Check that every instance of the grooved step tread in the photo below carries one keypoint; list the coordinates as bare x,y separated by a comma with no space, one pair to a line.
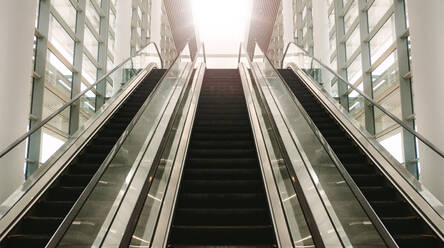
222,201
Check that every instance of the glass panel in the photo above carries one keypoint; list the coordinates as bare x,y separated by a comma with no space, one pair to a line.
60,39
353,42
392,103
377,11
394,143
354,71
67,11
383,39
91,43
385,77
351,15
51,142
89,70
92,15
58,77
51,103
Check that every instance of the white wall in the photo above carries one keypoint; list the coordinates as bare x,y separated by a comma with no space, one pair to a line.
287,14
427,40
17,20
123,35
320,36
156,21
320,30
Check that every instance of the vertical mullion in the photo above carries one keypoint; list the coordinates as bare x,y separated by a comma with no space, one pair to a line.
38,87
366,63
77,64
405,86
103,49
340,52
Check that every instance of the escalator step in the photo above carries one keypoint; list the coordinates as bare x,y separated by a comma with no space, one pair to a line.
226,163
221,217
227,235
229,174
221,186
221,200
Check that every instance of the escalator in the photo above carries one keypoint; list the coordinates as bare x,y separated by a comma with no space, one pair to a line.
221,200
38,225
401,220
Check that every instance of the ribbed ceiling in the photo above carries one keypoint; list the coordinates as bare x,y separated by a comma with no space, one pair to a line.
180,16
262,21
261,26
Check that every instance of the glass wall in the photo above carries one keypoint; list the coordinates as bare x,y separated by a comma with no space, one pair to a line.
366,40
80,48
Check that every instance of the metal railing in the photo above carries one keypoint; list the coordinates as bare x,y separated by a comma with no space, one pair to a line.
74,99
369,99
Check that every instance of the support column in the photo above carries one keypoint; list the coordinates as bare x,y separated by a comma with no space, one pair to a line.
340,51
426,22
17,20
103,51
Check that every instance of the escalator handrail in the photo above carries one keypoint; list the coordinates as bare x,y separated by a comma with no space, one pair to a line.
58,235
377,222
74,99
373,102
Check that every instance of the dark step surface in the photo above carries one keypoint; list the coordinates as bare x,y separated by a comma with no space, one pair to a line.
42,220
222,201
405,225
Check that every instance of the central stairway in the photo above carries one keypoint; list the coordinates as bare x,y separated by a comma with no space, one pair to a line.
222,199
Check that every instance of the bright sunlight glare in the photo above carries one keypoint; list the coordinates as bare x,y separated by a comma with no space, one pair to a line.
222,26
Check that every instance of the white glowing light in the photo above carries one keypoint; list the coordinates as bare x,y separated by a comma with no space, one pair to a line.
222,25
